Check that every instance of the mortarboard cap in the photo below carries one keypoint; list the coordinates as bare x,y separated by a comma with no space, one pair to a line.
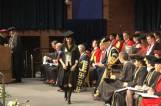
68,33
11,28
151,58
136,57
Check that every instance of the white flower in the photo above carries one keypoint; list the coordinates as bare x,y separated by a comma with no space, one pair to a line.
13,103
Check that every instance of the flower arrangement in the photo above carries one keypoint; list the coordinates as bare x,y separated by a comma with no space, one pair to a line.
16,103
13,103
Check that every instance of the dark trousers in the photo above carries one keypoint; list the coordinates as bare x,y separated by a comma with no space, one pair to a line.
68,93
93,76
51,72
100,71
68,79
17,67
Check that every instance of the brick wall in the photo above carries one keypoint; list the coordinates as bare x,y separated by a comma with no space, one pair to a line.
120,15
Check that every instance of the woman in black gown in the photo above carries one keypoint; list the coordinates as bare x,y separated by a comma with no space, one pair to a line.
69,62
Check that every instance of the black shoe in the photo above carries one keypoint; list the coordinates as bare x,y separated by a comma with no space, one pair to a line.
16,81
60,90
69,102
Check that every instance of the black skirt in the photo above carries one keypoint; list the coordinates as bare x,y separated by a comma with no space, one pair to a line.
60,76
67,78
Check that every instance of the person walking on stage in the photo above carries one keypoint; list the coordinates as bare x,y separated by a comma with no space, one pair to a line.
69,62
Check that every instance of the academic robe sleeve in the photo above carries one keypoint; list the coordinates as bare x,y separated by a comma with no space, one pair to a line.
139,79
141,76
17,45
127,72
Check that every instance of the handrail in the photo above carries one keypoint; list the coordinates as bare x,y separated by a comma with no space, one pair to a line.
32,66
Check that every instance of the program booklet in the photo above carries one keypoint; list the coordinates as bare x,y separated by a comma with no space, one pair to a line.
146,95
129,88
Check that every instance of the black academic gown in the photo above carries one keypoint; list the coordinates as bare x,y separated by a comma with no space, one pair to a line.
17,59
69,77
138,79
139,76
151,78
60,71
108,86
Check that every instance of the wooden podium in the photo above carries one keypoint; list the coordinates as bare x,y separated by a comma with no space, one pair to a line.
5,63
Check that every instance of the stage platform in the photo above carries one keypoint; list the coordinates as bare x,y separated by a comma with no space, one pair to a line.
40,94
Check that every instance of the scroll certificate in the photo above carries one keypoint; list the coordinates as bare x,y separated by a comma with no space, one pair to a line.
68,58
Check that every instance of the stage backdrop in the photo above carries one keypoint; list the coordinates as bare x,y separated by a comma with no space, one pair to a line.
87,30
32,14
87,23
87,9
148,15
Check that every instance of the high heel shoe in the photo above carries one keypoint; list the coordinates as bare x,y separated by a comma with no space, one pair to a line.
69,102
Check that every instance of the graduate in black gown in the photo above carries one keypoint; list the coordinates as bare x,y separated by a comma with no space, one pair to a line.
69,62
108,86
138,79
144,77
151,78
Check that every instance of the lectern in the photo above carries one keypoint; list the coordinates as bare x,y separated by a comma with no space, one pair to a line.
5,63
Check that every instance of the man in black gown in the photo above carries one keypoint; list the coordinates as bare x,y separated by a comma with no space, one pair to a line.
17,55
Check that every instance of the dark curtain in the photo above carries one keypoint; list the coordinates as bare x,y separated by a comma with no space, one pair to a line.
87,30
32,14
148,15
